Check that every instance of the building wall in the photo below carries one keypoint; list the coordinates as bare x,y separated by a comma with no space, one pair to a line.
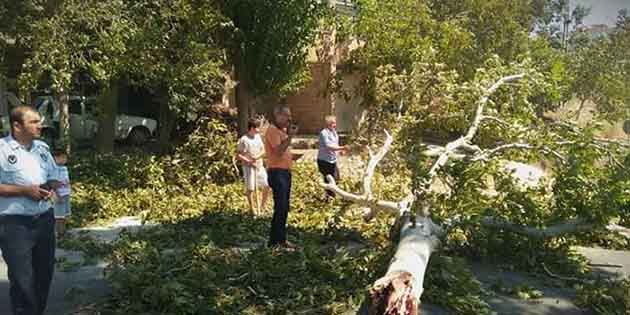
311,104
347,103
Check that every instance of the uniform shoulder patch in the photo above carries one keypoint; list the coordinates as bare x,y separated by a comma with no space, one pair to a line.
40,143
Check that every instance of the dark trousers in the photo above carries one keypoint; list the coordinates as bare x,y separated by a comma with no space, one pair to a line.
28,248
280,183
327,168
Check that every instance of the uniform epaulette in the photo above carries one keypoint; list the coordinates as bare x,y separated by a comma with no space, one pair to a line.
41,143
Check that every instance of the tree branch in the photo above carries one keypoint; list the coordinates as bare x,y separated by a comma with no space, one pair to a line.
362,200
371,167
495,119
569,226
465,142
482,103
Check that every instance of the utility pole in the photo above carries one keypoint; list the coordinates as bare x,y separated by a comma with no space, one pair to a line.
566,22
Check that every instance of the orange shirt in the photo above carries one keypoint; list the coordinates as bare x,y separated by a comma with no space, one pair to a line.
273,138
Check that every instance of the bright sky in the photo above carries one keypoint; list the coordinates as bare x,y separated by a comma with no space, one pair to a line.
602,11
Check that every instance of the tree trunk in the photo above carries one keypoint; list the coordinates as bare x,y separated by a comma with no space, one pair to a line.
4,103
64,120
399,291
242,105
107,119
166,124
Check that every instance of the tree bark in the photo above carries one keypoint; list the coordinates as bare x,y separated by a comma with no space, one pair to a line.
398,292
107,118
4,103
166,122
64,120
241,97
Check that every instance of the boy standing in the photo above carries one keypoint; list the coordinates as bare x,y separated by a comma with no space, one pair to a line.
250,152
62,206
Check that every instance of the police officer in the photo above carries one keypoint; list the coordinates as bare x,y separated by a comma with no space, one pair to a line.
27,235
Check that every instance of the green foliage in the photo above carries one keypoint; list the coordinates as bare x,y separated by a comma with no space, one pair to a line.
92,249
450,282
494,28
80,36
209,254
555,65
606,297
522,291
171,48
462,35
16,30
176,49
601,74
109,186
206,156
271,40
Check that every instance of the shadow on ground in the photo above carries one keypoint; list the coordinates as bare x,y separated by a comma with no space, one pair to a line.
220,264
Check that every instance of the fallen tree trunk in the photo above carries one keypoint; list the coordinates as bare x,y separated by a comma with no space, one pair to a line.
399,290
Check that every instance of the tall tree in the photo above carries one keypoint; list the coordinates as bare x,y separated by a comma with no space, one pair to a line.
176,52
269,47
170,48
459,35
601,73
87,36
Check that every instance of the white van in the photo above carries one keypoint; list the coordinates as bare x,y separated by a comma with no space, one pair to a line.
83,123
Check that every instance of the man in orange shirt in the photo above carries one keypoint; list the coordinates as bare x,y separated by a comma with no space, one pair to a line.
277,145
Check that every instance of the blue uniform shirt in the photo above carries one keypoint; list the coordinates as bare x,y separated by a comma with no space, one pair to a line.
327,137
22,167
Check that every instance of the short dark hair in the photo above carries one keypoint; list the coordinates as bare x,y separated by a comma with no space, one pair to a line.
281,108
253,123
17,114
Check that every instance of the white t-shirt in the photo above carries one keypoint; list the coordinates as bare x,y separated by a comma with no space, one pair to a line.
252,147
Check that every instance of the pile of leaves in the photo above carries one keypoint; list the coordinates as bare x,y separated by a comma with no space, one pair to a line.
209,254
214,259
606,297
109,186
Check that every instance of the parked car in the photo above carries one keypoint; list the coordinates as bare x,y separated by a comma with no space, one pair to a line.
83,123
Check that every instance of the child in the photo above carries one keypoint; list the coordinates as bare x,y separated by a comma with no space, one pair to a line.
250,152
62,206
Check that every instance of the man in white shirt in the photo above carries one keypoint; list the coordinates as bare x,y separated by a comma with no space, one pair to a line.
27,224
328,149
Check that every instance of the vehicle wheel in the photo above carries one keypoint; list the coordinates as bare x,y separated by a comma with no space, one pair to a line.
48,136
138,136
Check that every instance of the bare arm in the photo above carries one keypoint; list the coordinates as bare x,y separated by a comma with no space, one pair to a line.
330,143
259,156
244,158
336,147
34,192
12,190
282,147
